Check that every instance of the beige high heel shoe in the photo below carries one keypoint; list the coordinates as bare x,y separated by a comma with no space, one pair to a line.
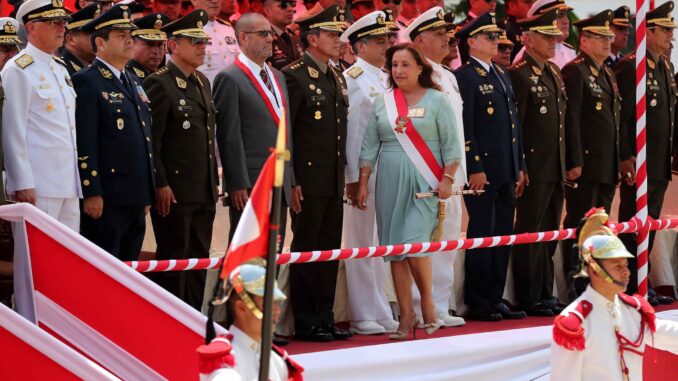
430,328
399,335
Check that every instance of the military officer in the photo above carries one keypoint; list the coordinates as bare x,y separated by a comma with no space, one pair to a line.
540,94
660,113
39,141
149,45
318,108
9,40
504,49
515,10
369,310
184,159
286,44
603,334
494,163
429,32
621,27
115,154
224,47
476,8
591,127
77,51
104,4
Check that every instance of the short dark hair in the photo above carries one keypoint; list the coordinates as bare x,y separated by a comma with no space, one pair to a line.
304,37
103,33
426,76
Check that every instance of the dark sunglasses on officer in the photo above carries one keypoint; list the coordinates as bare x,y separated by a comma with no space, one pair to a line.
396,2
284,4
505,48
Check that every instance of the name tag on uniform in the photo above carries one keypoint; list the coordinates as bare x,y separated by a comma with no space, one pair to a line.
44,86
416,112
318,98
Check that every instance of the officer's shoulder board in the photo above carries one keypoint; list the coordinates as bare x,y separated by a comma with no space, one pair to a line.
59,60
578,60
518,65
641,305
567,327
354,71
162,71
24,61
296,66
139,73
568,45
221,21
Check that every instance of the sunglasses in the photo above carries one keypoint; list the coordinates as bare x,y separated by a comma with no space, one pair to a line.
262,33
198,41
396,2
505,48
287,3
490,36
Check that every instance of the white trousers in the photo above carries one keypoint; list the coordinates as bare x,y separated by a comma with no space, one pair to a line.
441,263
65,210
366,278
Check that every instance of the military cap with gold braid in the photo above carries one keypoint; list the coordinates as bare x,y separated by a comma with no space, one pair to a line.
41,10
250,279
149,27
544,23
8,28
372,24
485,23
598,24
622,17
189,26
504,40
83,16
116,18
433,18
597,241
390,20
543,6
331,19
661,16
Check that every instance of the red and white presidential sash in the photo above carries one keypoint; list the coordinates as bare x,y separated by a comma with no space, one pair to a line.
268,98
413,144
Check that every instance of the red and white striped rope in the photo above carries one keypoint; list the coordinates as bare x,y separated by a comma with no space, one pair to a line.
641,148
413,248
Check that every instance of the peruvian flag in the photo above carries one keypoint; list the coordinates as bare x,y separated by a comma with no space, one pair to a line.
251,235
94,303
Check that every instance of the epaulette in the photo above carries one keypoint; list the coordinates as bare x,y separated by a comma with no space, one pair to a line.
568,45
518,64
105,72
296,66
162,71
632,56
567,329
294,369
24,61
220,21
354,71
215,355
642,306
59,60
138,72
578,60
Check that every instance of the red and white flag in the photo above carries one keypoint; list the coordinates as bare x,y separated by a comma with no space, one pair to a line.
99,306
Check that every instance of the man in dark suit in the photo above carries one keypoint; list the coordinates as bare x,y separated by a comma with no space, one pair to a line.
318,110
286,45
494,162
185,163
77,51
149,45
660,114
540,94
591,130
115,153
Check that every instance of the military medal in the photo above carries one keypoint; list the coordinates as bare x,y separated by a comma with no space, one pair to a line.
599,106
318,115
533,89
311,86
416,112
490,109
186,125
543,109
182,102
539,88
50,106
318,91
400,127
121,123
653,102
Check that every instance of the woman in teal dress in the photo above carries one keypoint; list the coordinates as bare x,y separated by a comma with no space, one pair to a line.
400,217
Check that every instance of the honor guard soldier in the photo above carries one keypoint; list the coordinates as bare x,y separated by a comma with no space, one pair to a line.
621,27
38,118
186,177
540,94
286,44
591,128
77,50
494,162
149,45
429,32
9,41
223,49
115,154
660,113
318,108
603,334
564,51
369,310
245,293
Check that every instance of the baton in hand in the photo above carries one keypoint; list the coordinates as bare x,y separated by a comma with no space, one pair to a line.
460,192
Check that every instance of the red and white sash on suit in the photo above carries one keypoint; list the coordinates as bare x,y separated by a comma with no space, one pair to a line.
268,98
413,144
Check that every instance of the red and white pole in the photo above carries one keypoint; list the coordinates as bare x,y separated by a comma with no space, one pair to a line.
643,237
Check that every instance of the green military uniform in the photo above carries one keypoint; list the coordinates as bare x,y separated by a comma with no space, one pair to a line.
184,158
149,30
318,109
591,132
286,48
540,94
660,113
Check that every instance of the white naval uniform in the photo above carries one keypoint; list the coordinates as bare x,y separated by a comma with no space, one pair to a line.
441,263
247,354
365,278
564,54
39,139
600,359
222,50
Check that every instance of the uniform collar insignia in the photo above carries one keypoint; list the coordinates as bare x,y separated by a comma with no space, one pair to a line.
651,64
481,71
499,69
181,83
313,73
536,70
139,73
594,71
105,72
75,66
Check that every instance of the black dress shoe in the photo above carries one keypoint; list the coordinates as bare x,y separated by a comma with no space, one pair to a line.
280,341
653,301
338,334
538,309
662,299
506,313
316,334
482,314
553,304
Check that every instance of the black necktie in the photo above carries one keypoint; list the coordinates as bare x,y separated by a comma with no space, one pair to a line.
126,82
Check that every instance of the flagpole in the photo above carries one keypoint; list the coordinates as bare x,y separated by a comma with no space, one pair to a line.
272,252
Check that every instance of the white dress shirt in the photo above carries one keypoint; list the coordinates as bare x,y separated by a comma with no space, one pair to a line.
222,50
247,354
38,119
600,359
274,98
